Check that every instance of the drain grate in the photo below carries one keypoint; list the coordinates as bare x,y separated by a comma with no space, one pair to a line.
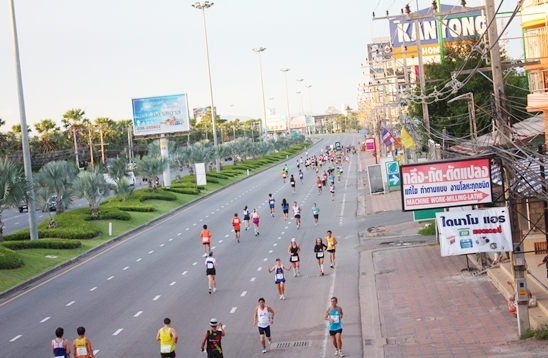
299,344
384,271
317,275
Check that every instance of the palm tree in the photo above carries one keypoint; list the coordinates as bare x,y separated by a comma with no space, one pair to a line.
234,150
14,187
59,175
118,169
202,153
42,193
180,159
46,128
150,167
93,187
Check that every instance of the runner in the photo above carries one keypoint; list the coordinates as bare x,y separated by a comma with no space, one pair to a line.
293,251
168,338
81,347
292,182
271,201
331,245
213,339
211,264
255,216
284,174
279,277
319,249
332,191
301,176
334,315
285,208
60,347
319,185
297,214
286,168
315,213
247,217
206,240
236,224
263,318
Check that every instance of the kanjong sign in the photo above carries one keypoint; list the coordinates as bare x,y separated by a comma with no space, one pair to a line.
444,184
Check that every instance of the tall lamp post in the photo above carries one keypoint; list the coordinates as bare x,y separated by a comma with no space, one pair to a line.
33,225
310,99
284,70
300,80
263,123
203,7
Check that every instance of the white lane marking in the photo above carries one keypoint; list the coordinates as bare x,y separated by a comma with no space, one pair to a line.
194,224
342,210
265,259
125,268
283,232
194,264
220,241
15,338
269,251
233,309
139,259
118,331
151,251
243,294
207,216
96,351
110,278
138,314
174,282
179,234
252,279
45,319
279,238
226,235
184,273
156,298
187,228
162,245
93,289
286,227
201,220
259,269
70,303
16,223
275,244
212,212
171,239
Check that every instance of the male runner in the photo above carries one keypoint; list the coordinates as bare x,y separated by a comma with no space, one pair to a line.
236,224
167,337
206,240
271,202
263,318
213,339
334,315
82,345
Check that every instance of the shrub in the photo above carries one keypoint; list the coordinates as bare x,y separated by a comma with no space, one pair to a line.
189,191
43,244
9,259
217,175
429,229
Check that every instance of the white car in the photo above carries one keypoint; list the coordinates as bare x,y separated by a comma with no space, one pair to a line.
130,177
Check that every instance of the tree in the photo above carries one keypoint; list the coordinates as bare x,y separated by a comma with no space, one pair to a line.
46,129
42,193
59,175
14,188
93,187
454,115
150,167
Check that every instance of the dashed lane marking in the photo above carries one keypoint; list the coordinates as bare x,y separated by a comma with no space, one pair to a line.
110,278
125,268
269,251
15,338
162,245
213,248
156,298
118,331
275,244
70,303
151,251
259,269
243,294
174,282
171,239
138,314
233,309
139,259
194,264
187,228
45,319
252,279
226,235
179,234
93,289
184,273
265,259
220,241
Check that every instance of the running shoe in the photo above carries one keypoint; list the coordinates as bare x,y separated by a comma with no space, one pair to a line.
331,266
336,352
209,291
264,350
214,289
269,341
283,297
341,353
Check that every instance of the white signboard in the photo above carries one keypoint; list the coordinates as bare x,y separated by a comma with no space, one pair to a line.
468,232
200,174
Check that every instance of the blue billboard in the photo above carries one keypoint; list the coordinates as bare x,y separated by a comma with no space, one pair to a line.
160,115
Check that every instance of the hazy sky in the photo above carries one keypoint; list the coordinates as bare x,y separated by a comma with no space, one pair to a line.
97,55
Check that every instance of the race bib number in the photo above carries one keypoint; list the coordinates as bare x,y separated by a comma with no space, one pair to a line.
210,265
279,276
292,183
294,258
59,357
165,348
82,351
320,254
263,320
205,240
334,318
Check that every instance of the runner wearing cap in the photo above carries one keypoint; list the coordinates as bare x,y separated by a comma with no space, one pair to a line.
263,318
279,277
293,251
213,339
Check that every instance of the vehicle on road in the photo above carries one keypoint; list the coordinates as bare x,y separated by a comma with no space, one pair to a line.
52,203
23,206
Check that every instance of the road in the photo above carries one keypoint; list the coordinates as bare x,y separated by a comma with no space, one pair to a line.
122,294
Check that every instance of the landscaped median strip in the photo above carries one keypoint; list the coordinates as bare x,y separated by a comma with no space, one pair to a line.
114,209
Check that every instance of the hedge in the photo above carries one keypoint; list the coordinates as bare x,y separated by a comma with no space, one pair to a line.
217,175
43,244
9,259
189,191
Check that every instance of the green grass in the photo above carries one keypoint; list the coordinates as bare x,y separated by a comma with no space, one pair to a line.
35,261
429,229
540,333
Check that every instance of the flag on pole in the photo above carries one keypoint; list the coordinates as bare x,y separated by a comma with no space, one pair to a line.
406,139
387,138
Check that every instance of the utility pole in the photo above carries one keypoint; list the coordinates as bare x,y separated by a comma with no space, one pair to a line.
90,146
102,145
75,147
129,144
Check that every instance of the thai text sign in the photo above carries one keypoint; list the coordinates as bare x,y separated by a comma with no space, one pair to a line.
444,184
370,144
467,232
276,123
157,115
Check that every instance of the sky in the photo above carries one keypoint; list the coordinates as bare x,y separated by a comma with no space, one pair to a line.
98,55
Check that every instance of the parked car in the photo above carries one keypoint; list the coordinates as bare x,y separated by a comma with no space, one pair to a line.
23,206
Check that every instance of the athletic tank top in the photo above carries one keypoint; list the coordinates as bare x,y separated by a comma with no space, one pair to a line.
81,349
335,315
296,210
59,350
210,263
271,201
294,250
279,274
263,317
214,341
330,243
166,341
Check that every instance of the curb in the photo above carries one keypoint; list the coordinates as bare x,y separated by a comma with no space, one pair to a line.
100,247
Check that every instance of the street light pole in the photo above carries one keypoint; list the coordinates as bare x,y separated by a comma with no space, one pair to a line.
284,70
310,99
33,225
300,80
263,123
203,7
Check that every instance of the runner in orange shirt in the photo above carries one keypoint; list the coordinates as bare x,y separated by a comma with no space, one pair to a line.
236,224
206,240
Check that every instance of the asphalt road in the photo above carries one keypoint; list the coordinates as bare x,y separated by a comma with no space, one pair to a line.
122,294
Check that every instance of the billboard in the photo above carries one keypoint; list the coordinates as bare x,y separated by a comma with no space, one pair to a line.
468,232
159,115
298,122
276,123
443,184
309,121
452,29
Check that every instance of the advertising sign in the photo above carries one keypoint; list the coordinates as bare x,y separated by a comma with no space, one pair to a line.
393,174
276,123
443,184
370,144
468,232
376,185
309,121
157,115
298,122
